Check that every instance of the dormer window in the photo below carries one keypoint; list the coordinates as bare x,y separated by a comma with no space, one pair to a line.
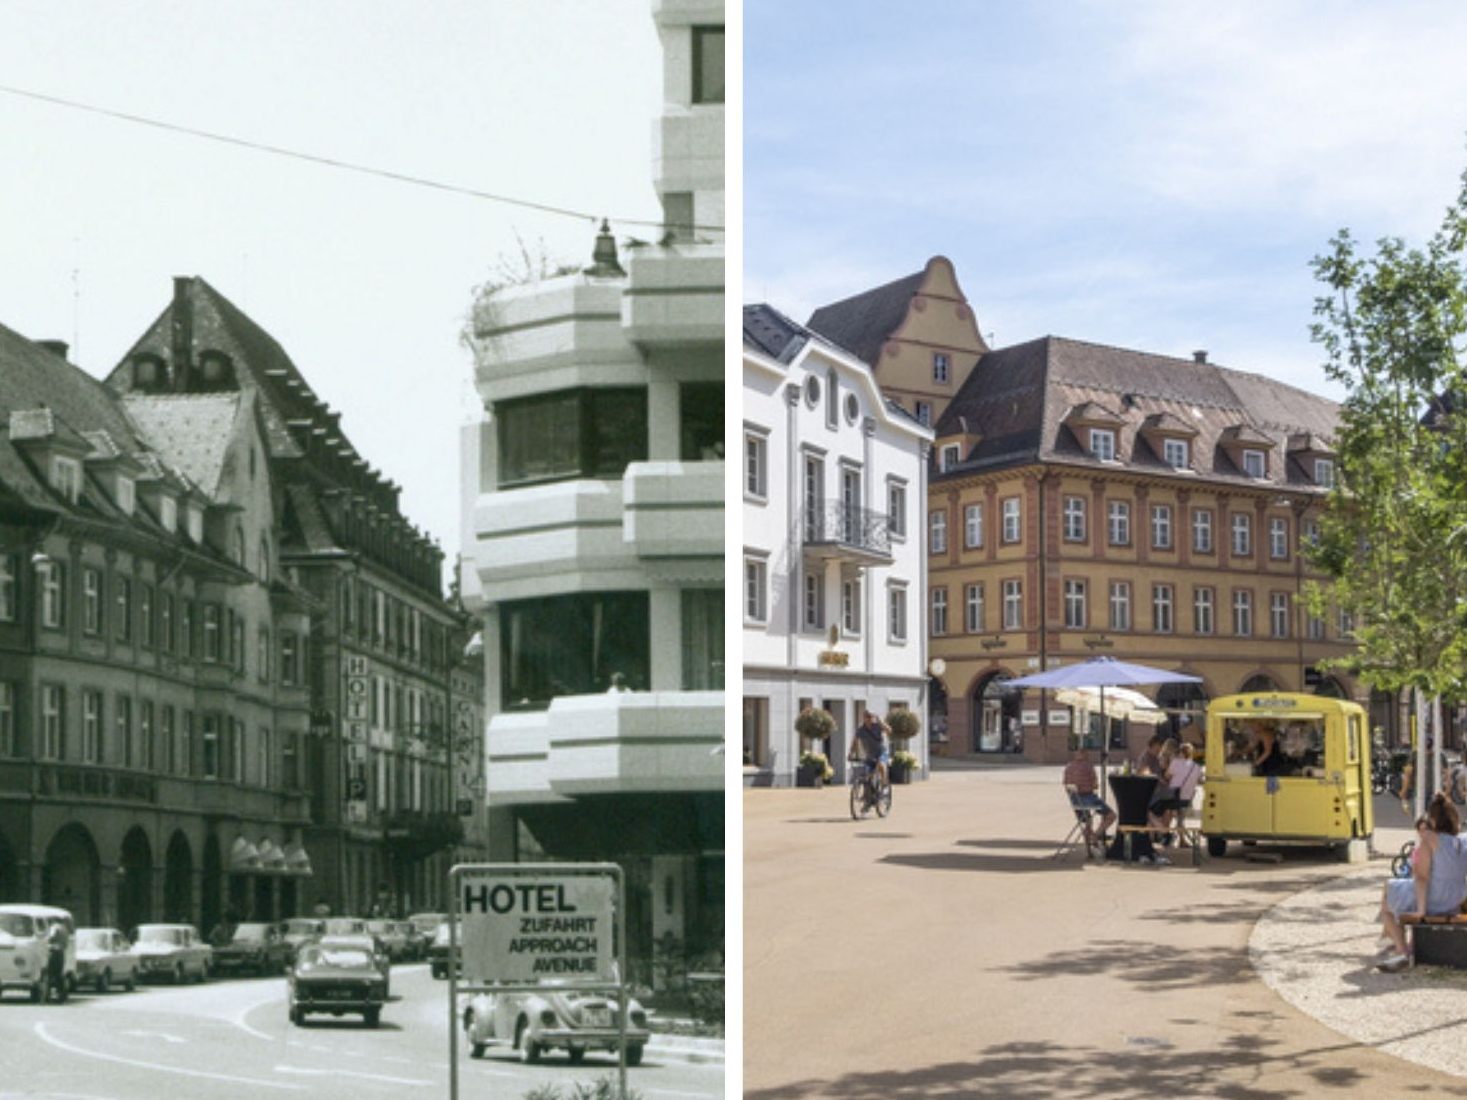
950,456
1176,454
237,548
168,513
66,477
1103,444
1255,464
924,413
1324,472
126,494
196,523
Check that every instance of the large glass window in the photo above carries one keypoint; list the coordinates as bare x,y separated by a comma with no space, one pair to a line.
8,601
702,615
707,64
573,433
701,409
573,645
7,719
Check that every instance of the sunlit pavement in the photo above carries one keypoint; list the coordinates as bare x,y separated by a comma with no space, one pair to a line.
940,952
232,1039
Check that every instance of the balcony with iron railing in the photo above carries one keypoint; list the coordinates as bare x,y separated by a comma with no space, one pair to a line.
847,532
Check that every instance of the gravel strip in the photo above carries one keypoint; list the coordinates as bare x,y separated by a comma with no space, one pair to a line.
1316,950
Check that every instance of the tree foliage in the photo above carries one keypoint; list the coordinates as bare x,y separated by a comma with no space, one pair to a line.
1393,540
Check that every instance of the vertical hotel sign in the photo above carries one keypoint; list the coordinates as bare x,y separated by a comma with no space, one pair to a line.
354,715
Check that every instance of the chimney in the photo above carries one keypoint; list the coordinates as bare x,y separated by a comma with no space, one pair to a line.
55,347
182,336
1199,356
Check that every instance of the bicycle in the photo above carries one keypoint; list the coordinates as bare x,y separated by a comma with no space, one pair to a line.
868,792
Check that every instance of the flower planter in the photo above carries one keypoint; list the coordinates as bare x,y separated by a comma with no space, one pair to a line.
899,773
810,777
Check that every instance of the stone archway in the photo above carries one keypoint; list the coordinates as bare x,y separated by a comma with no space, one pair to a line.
995,714
178,881
1259,682
71,876
937,728
135,880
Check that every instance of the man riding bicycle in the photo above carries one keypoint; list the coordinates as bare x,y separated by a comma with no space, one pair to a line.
873,738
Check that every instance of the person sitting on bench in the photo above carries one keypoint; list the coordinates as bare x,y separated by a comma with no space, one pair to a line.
1438,882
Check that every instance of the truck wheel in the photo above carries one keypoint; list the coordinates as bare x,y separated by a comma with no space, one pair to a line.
1217,847
476,1050
577,1055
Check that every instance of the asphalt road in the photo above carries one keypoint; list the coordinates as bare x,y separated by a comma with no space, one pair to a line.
941,953
228,1040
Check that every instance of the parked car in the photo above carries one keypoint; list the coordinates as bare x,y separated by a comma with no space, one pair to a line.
104,956
25,951
171,952
370,944
344,926
568,1020
417,940
438,952
336,977
390,934
299,930
255,947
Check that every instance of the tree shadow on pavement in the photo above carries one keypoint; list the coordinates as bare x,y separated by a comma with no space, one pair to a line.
1232,1067
974,862
1139,963
1012,844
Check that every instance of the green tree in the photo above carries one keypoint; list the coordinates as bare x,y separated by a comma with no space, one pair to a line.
1393,540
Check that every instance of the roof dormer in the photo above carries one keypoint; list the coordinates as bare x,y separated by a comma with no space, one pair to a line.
1315,455
1096,428
955,445
53,446
1171,438
1248,448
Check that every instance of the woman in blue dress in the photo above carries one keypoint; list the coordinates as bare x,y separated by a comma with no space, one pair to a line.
1438,882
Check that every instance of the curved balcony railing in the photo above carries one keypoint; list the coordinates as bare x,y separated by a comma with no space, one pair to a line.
838,527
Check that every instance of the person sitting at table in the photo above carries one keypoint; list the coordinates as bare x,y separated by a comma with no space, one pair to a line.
1149,762
1183,774
1438,882
1080,774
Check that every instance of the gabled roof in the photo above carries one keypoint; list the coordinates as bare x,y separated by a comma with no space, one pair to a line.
191,431
1093,412
1017,400
864,321
771,332
1168,423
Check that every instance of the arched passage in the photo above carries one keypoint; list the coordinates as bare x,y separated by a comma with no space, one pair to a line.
1331,688
135,883
12,888
211,886
178,881
72,874
996,711
1259,681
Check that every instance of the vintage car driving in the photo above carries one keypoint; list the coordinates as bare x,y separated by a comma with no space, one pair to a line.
299,930
390,935
255,947
172,953
25,951
552,1019
372,946
104,956
336,977
438,952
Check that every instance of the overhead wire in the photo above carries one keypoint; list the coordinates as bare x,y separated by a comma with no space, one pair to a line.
333,162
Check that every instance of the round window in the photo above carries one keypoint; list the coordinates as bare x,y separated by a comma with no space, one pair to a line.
812,391
853,408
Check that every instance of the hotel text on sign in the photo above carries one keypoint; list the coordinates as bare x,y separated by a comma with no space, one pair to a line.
521,929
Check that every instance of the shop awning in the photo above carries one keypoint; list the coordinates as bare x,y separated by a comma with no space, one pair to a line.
296,860
243,856
272,859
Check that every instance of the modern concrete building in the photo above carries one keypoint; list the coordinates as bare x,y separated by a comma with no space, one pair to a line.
593,529
154,709
834,478
380,661
1089,500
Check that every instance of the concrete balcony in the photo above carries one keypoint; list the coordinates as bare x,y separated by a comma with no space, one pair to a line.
674,509
687,149
628,743
675,295
542,531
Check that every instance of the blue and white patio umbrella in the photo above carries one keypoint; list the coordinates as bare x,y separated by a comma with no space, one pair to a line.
1103,672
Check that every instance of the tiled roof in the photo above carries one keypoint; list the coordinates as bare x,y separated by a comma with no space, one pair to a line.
191,431
1017,398
863,322
770,331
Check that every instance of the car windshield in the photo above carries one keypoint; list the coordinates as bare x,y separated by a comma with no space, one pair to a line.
343,926
95,939
17,924
345,957
303,927
379,926
250,933
160,935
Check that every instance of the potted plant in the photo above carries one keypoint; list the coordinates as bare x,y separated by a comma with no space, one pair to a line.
903,764
815,770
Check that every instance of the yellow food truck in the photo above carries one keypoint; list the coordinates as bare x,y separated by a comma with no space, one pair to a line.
1286,768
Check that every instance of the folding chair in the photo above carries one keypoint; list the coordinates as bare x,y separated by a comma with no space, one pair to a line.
1083,831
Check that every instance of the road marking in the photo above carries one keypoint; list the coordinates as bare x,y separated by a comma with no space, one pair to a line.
46,1036
157,1035
239,1021
350,1073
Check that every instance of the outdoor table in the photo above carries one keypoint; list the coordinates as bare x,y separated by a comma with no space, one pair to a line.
1133,797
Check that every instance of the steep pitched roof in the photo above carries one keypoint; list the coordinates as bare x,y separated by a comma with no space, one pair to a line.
191,431
864,321
1017,398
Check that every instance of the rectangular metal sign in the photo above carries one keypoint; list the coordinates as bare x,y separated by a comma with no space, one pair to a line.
522,929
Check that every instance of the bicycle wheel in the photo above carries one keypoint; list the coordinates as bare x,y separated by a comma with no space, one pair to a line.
883,800
860,804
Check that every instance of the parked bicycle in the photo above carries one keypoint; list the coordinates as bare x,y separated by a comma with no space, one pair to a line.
868,792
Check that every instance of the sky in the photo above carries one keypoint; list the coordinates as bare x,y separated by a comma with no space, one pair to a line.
363,281
1142,174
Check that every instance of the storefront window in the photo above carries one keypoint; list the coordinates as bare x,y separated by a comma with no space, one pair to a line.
701,414
573,433
573,645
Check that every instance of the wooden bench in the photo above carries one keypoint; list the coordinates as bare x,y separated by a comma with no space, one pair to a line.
1438,941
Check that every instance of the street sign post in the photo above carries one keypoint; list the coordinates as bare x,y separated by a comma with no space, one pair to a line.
514,925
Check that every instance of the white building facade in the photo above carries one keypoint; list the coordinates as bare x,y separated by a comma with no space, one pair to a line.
834,575
593,527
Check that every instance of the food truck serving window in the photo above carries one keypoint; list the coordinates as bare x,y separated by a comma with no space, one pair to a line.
1353,743
1298,744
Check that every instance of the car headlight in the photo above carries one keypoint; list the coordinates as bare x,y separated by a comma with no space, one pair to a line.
547,1017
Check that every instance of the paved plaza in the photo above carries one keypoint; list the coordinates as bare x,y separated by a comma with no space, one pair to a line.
940,952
